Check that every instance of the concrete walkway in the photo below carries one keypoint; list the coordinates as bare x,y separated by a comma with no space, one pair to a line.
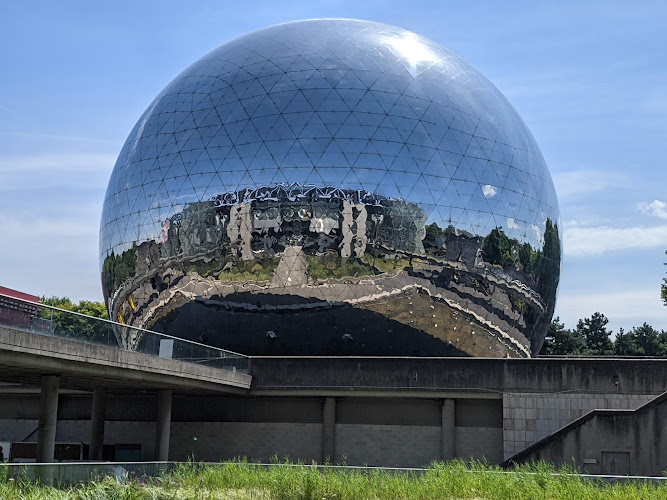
25,357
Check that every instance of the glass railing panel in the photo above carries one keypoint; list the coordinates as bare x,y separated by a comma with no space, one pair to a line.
38,318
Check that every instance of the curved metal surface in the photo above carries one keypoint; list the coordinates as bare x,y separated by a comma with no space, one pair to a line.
333,187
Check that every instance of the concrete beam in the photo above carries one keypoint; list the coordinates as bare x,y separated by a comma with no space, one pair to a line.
373,393
163,427
448,430
86,366
97,424
48,417
329,430
483,375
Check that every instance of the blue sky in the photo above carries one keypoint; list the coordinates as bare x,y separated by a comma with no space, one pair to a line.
589,79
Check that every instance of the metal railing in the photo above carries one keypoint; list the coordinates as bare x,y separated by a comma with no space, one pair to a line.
67,473
20,314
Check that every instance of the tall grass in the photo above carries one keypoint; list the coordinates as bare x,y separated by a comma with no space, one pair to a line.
247,481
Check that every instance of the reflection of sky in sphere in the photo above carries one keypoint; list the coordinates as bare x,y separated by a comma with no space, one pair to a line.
351,104
411,48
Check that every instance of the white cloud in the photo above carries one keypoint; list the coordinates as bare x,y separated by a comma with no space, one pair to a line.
45,171
76,162
538,233
489,191
656,208
15,229
585,181
50,206
511,223
626,307
51,255
581,241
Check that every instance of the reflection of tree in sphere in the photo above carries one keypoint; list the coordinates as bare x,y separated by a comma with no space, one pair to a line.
349,186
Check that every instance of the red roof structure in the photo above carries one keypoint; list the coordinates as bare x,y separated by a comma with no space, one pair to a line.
18,295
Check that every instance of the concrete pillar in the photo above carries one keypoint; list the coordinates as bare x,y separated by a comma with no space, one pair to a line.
48,416
163,426
97,424
448,430
329,430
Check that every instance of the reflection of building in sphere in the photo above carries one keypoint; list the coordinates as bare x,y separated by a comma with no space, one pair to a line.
348,186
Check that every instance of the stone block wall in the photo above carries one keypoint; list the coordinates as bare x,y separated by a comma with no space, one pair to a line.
215,441
529,417
356,444
480,443
374,431
387,445
619,442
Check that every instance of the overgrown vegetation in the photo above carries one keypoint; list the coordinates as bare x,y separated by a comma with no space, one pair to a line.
455,479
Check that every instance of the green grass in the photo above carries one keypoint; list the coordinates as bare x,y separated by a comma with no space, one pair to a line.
243,481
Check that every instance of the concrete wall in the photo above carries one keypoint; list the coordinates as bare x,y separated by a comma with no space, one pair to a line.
374,431
480,443
256,440
610,442
529,417
355,444
387,445
215,440
78,431
551,375
385,411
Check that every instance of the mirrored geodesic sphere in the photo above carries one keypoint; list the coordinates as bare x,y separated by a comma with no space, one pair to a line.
333,187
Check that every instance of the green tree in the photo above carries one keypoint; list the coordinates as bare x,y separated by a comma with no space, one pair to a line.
87,307
662,337
625,344
548,265
497,248
561,341
527,257
118,268
594,330
648,340
79,327
92,308
641,341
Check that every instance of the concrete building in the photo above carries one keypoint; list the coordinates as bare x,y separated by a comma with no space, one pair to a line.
340,188
622,442
376,411
332,173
